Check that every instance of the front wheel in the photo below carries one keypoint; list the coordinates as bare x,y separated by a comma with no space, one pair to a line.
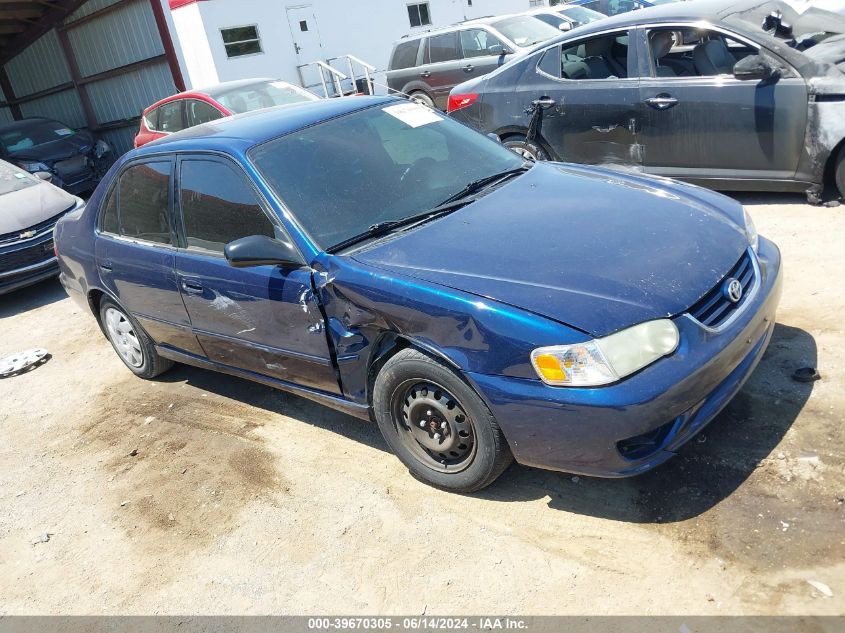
437,425
840,173
525,148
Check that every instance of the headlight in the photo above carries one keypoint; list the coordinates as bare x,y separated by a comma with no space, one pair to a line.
34,167
751,230
608,359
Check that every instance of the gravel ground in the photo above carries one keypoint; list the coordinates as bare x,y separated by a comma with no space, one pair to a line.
201,493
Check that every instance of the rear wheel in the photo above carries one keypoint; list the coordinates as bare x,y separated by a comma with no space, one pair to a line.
840,173
422,98
525,148
131,343
437,425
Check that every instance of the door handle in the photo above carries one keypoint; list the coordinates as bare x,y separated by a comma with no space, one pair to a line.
662,101
191,286
106,265
605,130
544,102
468,68
425,74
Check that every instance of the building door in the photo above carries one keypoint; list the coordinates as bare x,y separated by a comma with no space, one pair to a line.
306,42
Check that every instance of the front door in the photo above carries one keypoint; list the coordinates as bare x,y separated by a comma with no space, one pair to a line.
135,253
698,120
589,100
262,319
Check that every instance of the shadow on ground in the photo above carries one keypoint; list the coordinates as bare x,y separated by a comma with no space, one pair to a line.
31,297
706,471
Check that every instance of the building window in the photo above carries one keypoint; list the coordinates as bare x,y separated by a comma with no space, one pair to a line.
418,14
241,40
536,3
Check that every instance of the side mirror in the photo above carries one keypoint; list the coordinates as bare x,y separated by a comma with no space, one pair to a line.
755,67
46,176
499,49
565,26
260,250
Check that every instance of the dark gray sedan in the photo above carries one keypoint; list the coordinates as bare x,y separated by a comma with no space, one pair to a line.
29,210
731,95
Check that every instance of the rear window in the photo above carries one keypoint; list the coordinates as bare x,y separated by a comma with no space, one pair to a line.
405,55
443,48
266,94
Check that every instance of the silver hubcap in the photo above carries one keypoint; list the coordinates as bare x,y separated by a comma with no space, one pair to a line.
524,152
123,337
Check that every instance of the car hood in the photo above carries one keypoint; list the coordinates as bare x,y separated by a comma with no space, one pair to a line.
27,207
60,149
593,248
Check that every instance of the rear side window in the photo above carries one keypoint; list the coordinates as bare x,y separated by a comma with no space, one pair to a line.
443,48
218,206
170,117
405,55
200,112
143,200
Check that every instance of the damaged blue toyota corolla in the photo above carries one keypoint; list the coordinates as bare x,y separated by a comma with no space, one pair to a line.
377,257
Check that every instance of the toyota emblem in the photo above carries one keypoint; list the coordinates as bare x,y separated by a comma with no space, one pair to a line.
732,290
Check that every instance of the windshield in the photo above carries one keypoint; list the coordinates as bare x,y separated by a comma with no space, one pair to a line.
376,165
14,179
262,95
525,30
581,15
27,134
801,31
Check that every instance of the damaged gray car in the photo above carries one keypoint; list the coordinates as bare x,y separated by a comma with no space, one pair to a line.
729,95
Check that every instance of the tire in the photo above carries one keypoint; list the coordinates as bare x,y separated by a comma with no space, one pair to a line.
418,96
525,148
131,343
840,172
437,425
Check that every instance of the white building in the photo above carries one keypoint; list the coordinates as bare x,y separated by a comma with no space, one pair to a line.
222,40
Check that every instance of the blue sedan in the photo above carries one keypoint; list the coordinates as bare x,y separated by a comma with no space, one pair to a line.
384,260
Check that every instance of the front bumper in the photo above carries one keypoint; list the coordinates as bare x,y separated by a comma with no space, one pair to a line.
27,263
579,430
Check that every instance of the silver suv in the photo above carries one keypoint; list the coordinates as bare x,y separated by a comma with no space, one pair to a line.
428,65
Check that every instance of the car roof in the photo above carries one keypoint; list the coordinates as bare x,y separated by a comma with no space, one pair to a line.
237,134
487,20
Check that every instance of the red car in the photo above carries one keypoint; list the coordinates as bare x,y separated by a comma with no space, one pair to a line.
193,107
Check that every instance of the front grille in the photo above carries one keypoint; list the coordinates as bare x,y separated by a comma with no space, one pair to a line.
715,307
15,236
29,256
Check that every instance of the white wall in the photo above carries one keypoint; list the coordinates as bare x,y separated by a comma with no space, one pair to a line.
364,28
193,48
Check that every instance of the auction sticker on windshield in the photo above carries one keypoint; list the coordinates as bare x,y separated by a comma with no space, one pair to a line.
413,114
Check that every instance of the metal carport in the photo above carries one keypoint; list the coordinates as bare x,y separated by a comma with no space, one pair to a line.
89,63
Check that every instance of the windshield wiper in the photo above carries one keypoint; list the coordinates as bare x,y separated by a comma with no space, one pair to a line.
450,204
477,185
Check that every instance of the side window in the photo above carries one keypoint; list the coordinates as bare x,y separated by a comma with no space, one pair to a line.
201,112
604,57
550,62
108,222
443,48
152,120
143,193
405,55
218,206
694,52
170,117
477,42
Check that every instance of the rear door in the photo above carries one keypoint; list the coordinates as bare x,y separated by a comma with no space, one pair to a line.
135,253
589,98
442,68
698,120
263,319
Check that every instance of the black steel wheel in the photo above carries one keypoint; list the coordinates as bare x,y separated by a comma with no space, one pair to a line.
437,425
531,150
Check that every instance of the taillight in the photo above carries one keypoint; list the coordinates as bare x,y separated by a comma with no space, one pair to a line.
456,102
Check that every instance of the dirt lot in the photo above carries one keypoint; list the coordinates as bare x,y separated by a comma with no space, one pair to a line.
242,499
